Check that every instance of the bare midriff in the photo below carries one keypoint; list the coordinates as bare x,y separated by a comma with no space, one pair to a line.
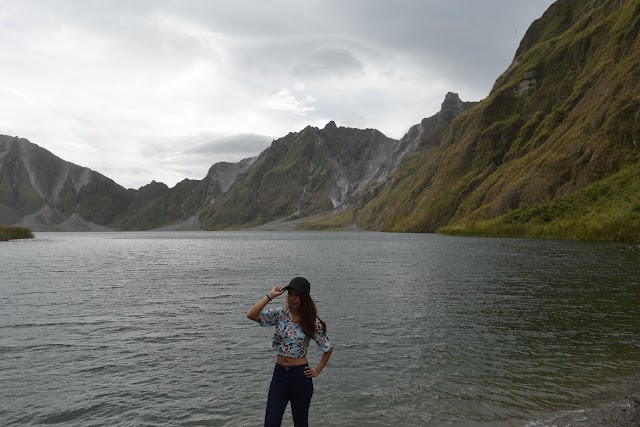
291,361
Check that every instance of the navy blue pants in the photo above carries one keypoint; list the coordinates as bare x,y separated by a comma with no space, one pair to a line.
289,384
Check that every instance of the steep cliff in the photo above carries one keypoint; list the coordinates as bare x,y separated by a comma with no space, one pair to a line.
564,115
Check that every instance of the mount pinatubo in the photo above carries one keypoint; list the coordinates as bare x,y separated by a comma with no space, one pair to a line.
552,151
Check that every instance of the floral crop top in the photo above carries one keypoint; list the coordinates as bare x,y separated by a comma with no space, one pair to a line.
289,340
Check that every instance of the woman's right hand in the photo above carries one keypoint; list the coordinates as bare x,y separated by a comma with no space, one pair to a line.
276,292
254,312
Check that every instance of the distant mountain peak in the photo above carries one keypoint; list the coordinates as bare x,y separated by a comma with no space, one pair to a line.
331,126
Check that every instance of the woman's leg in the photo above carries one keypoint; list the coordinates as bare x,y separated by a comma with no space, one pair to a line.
278,398
301,393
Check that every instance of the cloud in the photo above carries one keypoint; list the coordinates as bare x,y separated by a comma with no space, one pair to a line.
328,61
161,90
284,100
353,120
248,145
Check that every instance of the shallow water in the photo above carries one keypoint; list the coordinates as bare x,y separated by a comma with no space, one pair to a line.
150,328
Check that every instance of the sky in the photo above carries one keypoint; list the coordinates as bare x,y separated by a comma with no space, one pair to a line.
143,90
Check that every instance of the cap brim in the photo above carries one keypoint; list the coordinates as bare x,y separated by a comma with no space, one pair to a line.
287,288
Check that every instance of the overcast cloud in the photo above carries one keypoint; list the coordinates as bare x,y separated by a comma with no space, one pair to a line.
161,90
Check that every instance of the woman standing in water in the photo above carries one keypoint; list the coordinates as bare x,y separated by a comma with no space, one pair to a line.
296,324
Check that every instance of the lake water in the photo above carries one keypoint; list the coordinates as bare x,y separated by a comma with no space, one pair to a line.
149,328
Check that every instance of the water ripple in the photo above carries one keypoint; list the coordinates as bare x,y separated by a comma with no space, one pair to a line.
150,328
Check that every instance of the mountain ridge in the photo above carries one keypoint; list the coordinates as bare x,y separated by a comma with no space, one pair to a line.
562,116
46,193
561,123
317,171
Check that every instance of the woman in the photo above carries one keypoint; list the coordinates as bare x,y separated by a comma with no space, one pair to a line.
295,324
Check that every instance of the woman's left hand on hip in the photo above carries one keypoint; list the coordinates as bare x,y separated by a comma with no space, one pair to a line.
310,372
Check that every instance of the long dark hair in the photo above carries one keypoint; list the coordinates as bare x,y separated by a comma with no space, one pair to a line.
308,313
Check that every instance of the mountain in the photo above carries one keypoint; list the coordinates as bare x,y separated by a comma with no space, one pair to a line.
43,192
552,151
155,205
564,116
314,171
218,180
310,172
158,206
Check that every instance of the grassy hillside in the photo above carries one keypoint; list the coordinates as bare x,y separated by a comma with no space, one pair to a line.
607,210
565,115
338,221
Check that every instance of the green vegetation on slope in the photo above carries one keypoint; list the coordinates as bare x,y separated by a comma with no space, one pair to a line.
565,115
298,176
156,205
339,221
606,210
11,233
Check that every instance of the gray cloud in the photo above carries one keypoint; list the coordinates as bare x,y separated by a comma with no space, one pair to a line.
328,61
245,144
352,120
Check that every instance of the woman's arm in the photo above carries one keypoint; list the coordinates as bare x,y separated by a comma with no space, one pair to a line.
254,312
310,372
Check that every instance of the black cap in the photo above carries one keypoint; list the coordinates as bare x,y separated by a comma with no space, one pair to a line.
300,284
